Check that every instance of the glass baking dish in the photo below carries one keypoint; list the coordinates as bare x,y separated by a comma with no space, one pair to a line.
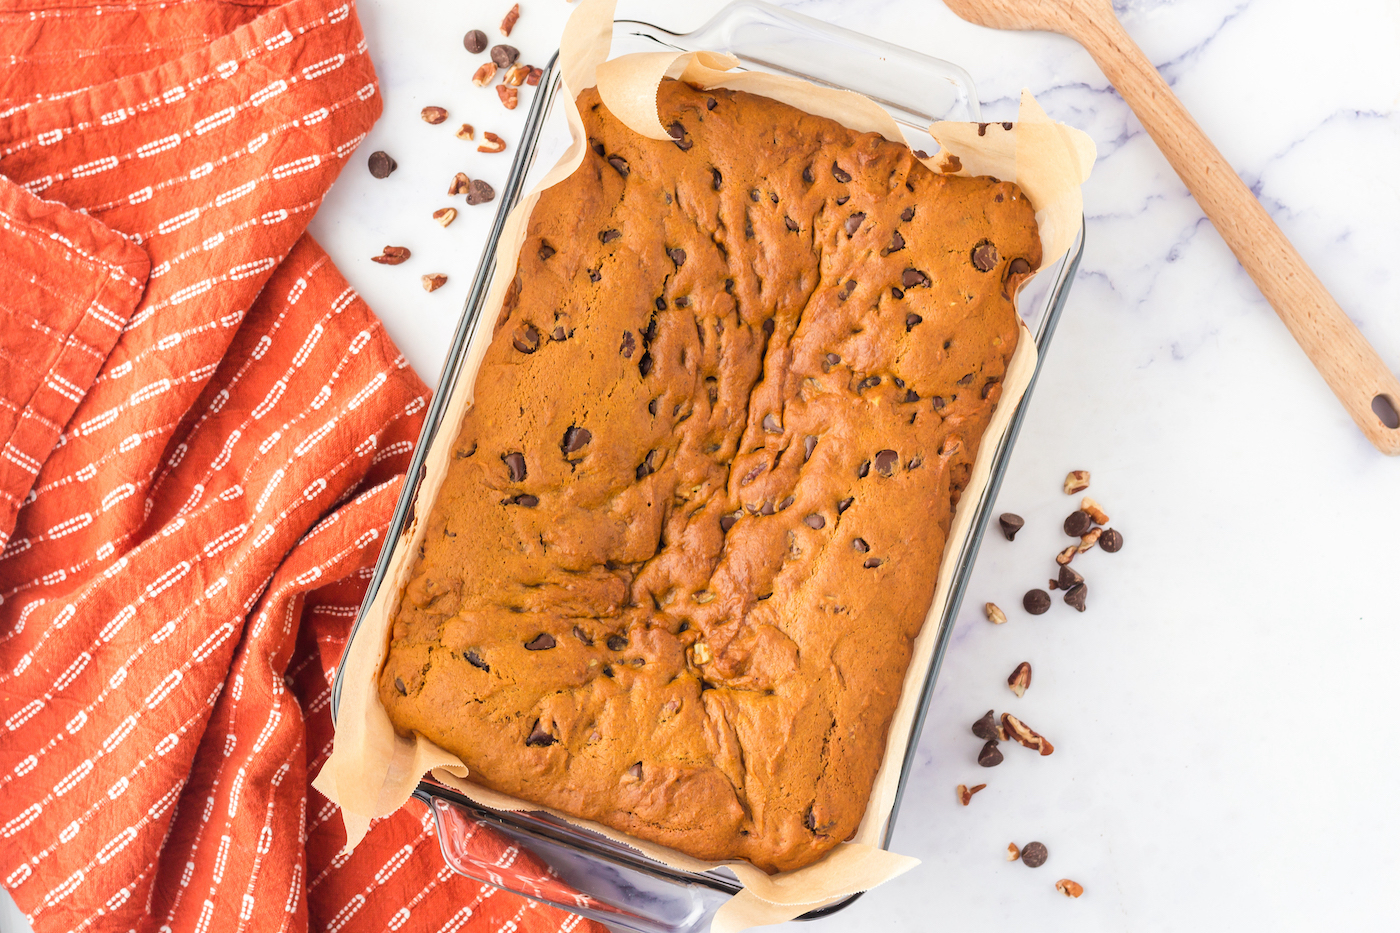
614,883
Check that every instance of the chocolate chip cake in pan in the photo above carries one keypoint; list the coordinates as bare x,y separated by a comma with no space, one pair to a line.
693,521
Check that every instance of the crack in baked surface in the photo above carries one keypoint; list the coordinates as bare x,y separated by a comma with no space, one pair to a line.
693,521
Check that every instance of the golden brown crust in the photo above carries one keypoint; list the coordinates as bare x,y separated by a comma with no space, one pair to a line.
694,519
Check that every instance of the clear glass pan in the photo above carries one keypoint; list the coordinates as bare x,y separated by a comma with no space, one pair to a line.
616,884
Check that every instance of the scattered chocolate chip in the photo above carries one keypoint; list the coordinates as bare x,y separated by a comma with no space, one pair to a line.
677,133
815,521
474,41
1034,854
381,164
541,642
869,382
1068,578
809,444
771,425
476,661
526,339
636,770
1078,523
392,255
1075,595
433,115
583,636
839,173
984,256
990,756
886,462
660,306
986,727
677,256
1111,540
844,504
860,545
853,222
842,200
398,684
607,236
913,277
504,55
515,462
619,163
479,192
1036,602
546,250
539,738
617,642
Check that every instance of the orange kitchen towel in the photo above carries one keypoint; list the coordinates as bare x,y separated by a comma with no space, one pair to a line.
203,431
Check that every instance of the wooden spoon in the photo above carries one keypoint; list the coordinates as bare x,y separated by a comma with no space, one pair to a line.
1363,383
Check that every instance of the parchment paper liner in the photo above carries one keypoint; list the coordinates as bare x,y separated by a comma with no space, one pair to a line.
372,770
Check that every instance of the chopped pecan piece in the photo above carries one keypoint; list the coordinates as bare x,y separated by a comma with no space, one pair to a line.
1025,735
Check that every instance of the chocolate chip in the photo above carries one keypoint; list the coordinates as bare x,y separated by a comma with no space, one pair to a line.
617,642
853,222
986,727
766,510
896,244
1011,523
911,396
726,522
1074,596
844,504
869,382
809,819
607,236
527,500
1078,523
990,756
629,345
1034,854
558,334
545,250
583,636
716,179
898,293
839,173
791,224
504,55
515,462
785,503
475,660
474,41
646,467
575,439
644,365
595,275
752,475
886,462
398,684
711,104
831,360
479,192
809,444
636,770
660,306
1111,541
526,339
842,200
677,256
771,425
863,470
984,256
860,545
541,642
619,163
872,562
938,402
1036,602
1068,577
907,214
846,289
807,175
677,133
381,164
815,521
1017,266
539,738
768,327
911,321
913,277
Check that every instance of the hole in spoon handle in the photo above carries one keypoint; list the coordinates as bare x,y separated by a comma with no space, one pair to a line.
1384,407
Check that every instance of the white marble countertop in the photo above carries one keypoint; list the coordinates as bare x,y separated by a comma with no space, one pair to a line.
1220,712
1223,712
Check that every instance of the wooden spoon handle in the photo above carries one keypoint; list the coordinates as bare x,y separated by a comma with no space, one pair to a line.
1341,354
